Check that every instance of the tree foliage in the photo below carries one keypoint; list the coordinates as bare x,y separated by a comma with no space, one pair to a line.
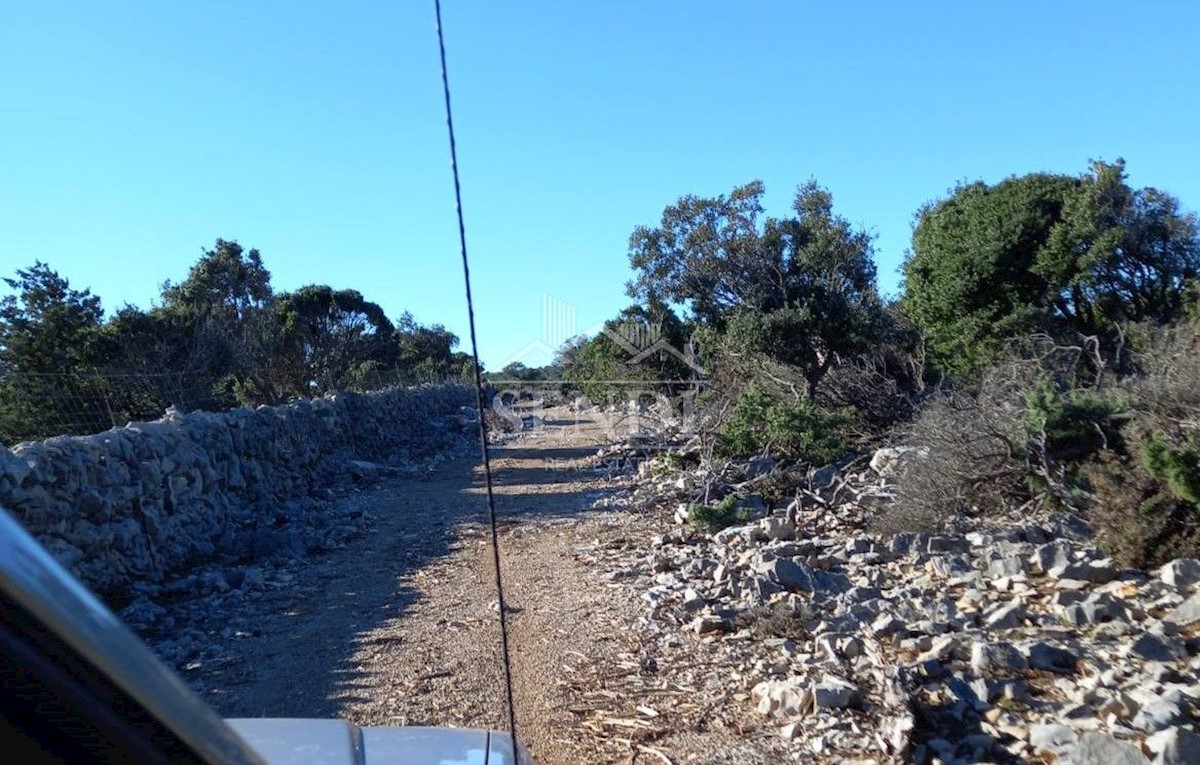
426,353
1046,253
227,282
794,431
219,338
228,305
641,349
331,338
48,331
800,289
48,327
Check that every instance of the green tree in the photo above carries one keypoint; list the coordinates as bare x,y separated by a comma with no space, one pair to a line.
425,353
518,371
646,348
48,327
795,431
227,282
50,337
801,288
1045,253
228,304
331,339
1120,254
165,358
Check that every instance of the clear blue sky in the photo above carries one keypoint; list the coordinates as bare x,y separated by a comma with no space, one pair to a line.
135,133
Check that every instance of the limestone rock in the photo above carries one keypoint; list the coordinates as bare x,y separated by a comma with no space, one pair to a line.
1179,746
1186,613
783,698
1101,749
890,461
1058,739
1181,573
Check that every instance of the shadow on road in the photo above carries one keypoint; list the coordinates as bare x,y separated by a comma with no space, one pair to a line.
306,655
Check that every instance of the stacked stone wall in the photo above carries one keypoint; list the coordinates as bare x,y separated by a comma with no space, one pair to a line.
142,502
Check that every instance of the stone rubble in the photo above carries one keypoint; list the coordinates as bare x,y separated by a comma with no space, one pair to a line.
985,644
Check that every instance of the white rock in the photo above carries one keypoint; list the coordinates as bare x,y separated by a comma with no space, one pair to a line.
703,625
1049,556
791,731
1181,573
835,693
1179,746
1058,739
1010,615
889,461
775,529
1186,613
996,657
1101,749
1157,715
783,698
887,624
1096,572
1153,647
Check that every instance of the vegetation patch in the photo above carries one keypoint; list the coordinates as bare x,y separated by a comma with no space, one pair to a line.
722,515
793,431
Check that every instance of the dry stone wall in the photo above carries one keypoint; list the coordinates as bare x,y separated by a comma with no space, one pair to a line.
138,504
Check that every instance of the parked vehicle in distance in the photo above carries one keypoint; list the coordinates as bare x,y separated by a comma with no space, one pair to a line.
76,685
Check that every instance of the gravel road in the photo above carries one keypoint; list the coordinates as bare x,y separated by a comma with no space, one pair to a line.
400,626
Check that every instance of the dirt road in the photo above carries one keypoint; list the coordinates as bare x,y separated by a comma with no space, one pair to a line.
400,627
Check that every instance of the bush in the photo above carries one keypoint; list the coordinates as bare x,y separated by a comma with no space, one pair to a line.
1176,464
1137,519
713,518
1050,253
974,461
865,387
1019,438
775,620
1075,423
1145,494
1167,383
798,432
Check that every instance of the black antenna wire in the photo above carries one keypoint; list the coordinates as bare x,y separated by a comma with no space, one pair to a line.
483,442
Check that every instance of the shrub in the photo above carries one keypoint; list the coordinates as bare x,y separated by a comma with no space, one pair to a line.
1046,252
1020,436
1145,497
1055,429
669,463
1167,383
975,460
1075,423
792,431
867,388
713,518
1176,464
775,620
1137,520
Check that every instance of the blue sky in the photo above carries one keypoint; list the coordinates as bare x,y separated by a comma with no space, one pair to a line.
136,133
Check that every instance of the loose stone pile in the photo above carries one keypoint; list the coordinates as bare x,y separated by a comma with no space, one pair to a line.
988,644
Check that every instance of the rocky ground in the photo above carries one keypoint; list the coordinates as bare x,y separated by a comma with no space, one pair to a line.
1015,642
796,636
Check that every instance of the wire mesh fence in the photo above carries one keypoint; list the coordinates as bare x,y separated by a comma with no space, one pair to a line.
39,405
35,406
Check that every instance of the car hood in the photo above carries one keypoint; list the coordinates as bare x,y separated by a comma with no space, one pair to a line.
336,742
